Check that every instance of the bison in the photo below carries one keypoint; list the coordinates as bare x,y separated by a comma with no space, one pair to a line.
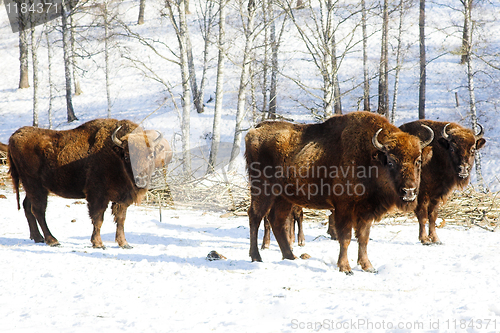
3,147
358,164
102,160
453,149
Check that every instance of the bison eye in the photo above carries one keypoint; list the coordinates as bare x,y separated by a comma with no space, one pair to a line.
418,162
390,164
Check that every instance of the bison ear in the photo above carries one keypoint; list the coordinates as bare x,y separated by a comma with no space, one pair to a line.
445,143
122,153
426,155
480,143
380,157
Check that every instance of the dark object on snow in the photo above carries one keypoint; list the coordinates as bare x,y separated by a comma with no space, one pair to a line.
213,255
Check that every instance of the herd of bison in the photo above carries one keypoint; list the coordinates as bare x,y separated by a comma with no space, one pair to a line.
358,165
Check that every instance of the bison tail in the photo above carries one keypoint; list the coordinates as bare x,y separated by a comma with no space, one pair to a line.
15,178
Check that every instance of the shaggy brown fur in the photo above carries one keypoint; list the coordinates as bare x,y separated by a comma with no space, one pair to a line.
286,162
449,168
81,163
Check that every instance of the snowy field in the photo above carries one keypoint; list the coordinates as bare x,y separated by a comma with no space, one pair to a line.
165,284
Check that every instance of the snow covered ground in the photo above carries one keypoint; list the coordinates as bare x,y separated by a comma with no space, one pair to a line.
165,284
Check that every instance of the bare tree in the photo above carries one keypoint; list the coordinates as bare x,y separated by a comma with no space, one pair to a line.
34,61
422,81
219,90
206,25
383,78
68,65
399,59
244,78
179,22
50,57
23,50
76,80
319,36
470,85
142,8
366,77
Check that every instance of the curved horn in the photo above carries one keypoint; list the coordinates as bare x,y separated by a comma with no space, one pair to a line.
376,143
481,132
429,140
444,134
117,141
160,136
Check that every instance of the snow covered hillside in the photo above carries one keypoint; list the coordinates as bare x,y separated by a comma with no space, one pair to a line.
164,283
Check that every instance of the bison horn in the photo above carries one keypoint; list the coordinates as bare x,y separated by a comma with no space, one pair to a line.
117,141
429,140
376,143
481,132
444,134
160,136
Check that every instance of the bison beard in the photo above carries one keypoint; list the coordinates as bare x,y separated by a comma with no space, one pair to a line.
84,162
356,139
453,149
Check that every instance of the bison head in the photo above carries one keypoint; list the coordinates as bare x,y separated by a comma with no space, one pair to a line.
461,145
402,156
145,150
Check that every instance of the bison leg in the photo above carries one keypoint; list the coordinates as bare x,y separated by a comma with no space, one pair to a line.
363,235
266,240
38,211
299,219
433,237
120,213
96,212
34,231
331,226
258,209
343,230
281,222
423,218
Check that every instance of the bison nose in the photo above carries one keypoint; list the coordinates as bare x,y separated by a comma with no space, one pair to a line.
463,171
409,193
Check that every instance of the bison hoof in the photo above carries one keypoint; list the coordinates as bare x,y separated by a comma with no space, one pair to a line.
56,244
371,270
433,243
349,273
264,247
126,246
302,243
102,247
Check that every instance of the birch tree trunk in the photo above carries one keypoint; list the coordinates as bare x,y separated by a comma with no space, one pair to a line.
182,32
68,70
51,84
398,63
76,81
366,78
274,64
23,51
265,63
244,80
383,84
206,33
34,60
105,15
142,8
472,95
219,90
422,82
